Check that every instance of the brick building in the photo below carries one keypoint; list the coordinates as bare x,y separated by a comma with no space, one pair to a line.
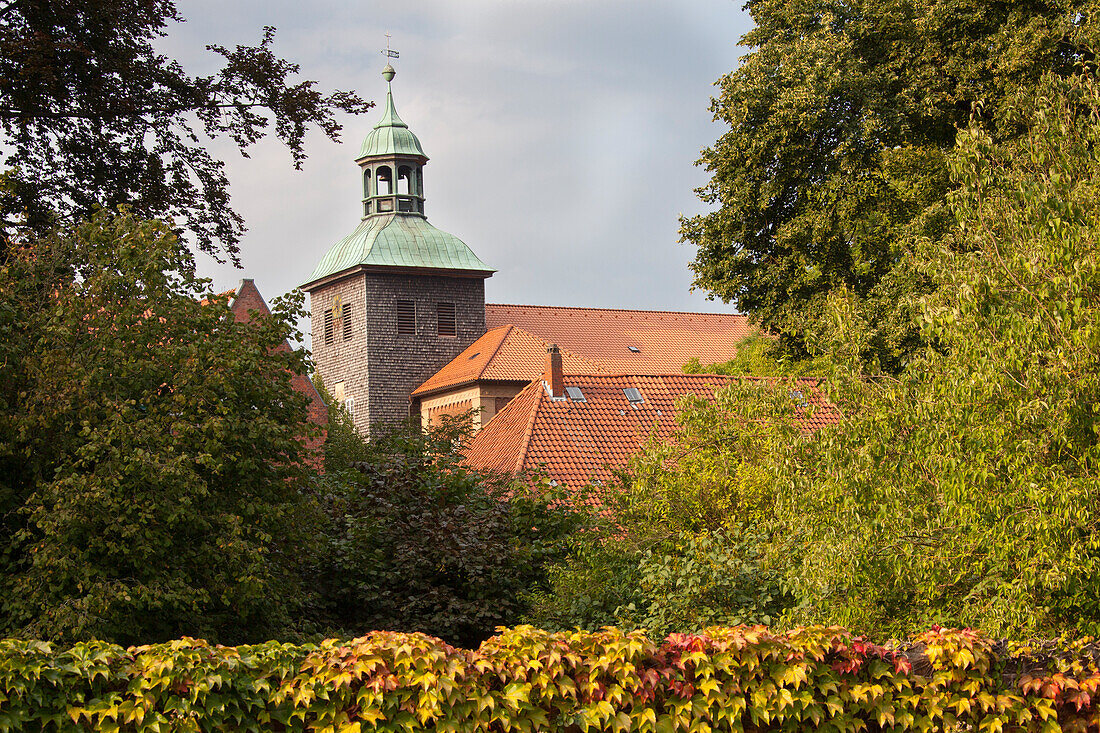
497,366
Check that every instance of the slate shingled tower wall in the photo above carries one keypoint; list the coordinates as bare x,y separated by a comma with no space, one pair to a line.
399,363
365,284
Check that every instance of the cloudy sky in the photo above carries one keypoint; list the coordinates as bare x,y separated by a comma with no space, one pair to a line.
562,135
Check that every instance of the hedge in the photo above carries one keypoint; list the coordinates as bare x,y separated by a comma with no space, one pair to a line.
746,678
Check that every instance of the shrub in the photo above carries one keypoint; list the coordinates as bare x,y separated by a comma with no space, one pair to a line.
525,679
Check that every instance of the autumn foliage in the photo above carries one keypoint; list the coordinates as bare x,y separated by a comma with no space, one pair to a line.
526,679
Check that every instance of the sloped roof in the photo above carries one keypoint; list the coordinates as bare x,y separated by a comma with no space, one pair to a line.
391,136
665,340
223,298
399,241
507,354
584,442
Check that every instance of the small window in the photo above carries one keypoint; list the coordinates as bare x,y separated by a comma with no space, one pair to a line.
445,319
347,321
575,394
473,356
406,317
633,395
328,326
338,392
349,407
634,349
798,398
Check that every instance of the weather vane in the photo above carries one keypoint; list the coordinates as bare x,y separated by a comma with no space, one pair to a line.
389,52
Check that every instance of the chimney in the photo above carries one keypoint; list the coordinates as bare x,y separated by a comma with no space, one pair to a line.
552,376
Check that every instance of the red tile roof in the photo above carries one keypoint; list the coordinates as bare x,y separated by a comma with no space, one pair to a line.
220,298
665,340
584,442
506,354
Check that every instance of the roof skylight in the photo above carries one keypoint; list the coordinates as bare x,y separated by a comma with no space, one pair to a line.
473,356
575,394
633,395
634,349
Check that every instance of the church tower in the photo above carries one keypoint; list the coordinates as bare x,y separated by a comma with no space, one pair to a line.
396,299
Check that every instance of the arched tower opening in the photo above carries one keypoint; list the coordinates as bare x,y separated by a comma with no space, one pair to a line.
385,180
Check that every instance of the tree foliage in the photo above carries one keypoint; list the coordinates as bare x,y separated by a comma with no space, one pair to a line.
685,544
151,447
841,119
93,115
965,492
762,356
415,542
962,491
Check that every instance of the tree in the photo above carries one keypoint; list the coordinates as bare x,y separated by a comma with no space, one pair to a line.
151,448
414,542
964,491
94,116
841,118
761,356
687,543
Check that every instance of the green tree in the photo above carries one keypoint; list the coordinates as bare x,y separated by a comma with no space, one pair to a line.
841,118
688,542
93,116
962,491
151,447
719,578
762,356
965,491
414,542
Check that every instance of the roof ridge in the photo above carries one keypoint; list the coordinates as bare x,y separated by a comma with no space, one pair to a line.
695,375
615,310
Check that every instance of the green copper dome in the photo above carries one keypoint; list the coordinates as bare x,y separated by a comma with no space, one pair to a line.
399,241
391,136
